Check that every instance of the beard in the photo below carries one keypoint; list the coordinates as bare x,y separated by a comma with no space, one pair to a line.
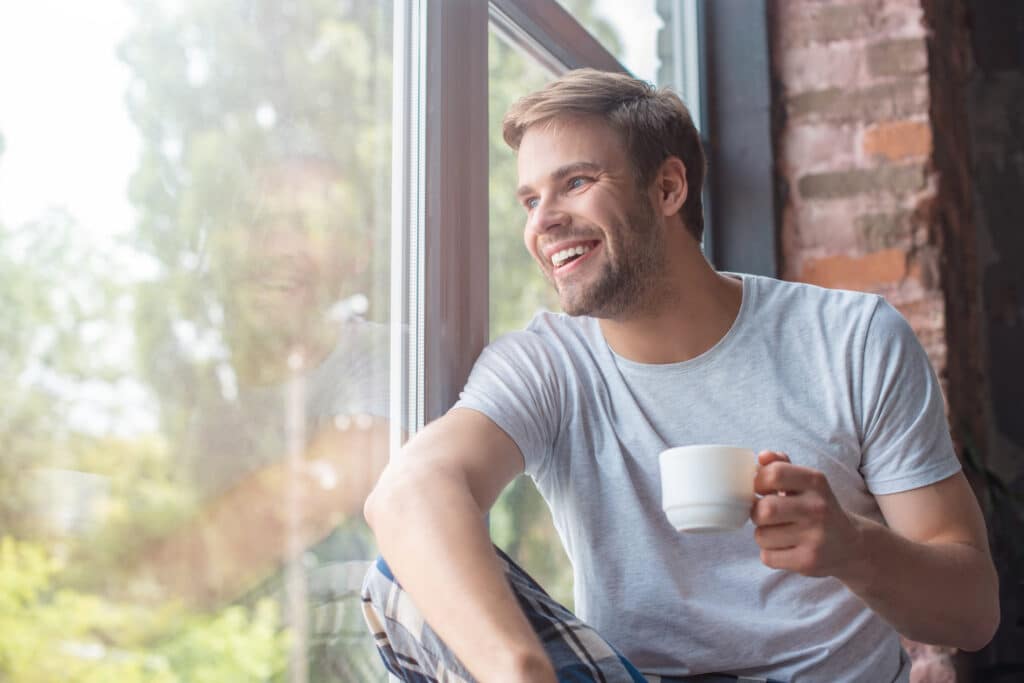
630,272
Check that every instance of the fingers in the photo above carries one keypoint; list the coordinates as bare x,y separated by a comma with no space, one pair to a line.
801,559
779,475
800,525
766,457
802,510
779,537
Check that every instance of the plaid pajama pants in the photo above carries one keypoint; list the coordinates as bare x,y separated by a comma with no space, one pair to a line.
413,652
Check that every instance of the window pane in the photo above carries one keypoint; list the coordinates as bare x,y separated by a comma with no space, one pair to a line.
637,33
194,220
520,521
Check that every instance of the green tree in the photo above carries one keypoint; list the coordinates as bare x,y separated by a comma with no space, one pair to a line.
263,198
228,95
53,634
58,307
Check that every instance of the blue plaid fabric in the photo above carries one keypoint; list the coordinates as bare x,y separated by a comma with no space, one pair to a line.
413,652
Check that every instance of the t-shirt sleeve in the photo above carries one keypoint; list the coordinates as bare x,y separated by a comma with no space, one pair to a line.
516,384
905,436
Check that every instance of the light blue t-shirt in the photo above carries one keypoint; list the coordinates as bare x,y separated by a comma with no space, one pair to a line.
835,379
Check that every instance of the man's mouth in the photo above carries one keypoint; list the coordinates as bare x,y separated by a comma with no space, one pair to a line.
565,258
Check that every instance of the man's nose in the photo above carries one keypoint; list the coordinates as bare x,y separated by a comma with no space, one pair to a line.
548,215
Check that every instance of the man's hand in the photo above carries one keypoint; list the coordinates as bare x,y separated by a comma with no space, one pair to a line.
934,537
800,524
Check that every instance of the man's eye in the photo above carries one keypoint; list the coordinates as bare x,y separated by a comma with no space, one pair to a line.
577,182
531,203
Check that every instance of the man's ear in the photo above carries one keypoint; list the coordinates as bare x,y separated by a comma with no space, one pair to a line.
671,187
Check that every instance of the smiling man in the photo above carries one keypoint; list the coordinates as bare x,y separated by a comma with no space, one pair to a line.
657,349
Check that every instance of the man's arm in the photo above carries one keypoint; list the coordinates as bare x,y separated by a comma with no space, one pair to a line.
928,573
427,512
242,535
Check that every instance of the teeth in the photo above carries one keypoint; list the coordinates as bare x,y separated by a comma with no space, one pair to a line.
560,257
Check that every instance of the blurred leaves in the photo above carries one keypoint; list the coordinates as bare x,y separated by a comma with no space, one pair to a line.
58,319
55,635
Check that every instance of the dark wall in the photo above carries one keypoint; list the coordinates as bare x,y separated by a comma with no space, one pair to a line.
995,113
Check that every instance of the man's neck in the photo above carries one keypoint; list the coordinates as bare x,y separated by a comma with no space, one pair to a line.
691,311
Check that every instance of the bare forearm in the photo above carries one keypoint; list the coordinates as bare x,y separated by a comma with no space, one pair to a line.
431,532
939,593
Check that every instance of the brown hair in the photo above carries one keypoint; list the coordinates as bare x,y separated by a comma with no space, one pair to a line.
654,124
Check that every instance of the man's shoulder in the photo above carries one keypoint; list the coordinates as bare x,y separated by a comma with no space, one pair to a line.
552,343
824,303
811,291
554,330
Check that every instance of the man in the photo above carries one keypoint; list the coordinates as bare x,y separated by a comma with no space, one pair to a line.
863,518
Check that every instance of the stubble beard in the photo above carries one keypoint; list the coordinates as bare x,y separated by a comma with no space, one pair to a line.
627,285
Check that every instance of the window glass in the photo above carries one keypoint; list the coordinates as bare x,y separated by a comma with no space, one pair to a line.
634,32
194,219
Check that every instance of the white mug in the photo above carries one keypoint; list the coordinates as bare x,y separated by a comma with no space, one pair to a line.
707,487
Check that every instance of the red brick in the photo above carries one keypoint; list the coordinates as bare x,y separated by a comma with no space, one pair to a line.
897,140
868,273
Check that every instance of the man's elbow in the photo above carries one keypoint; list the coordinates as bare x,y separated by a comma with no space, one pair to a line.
369,508
987,621
395,492
981,637
377,504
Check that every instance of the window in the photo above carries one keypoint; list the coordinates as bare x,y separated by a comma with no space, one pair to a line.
194,241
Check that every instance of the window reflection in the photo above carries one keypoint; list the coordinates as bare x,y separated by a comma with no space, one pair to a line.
193,341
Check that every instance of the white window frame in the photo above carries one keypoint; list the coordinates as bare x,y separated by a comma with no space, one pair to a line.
439,276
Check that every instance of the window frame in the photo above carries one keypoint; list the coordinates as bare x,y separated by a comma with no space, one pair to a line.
743,210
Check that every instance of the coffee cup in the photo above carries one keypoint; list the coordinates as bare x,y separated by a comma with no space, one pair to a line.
707,488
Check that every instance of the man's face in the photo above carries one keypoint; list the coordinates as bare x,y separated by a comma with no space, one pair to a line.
593,233
281,267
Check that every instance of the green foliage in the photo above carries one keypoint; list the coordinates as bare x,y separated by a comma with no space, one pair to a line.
54,634
58,312
263,195
243,107
145,499
237,103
